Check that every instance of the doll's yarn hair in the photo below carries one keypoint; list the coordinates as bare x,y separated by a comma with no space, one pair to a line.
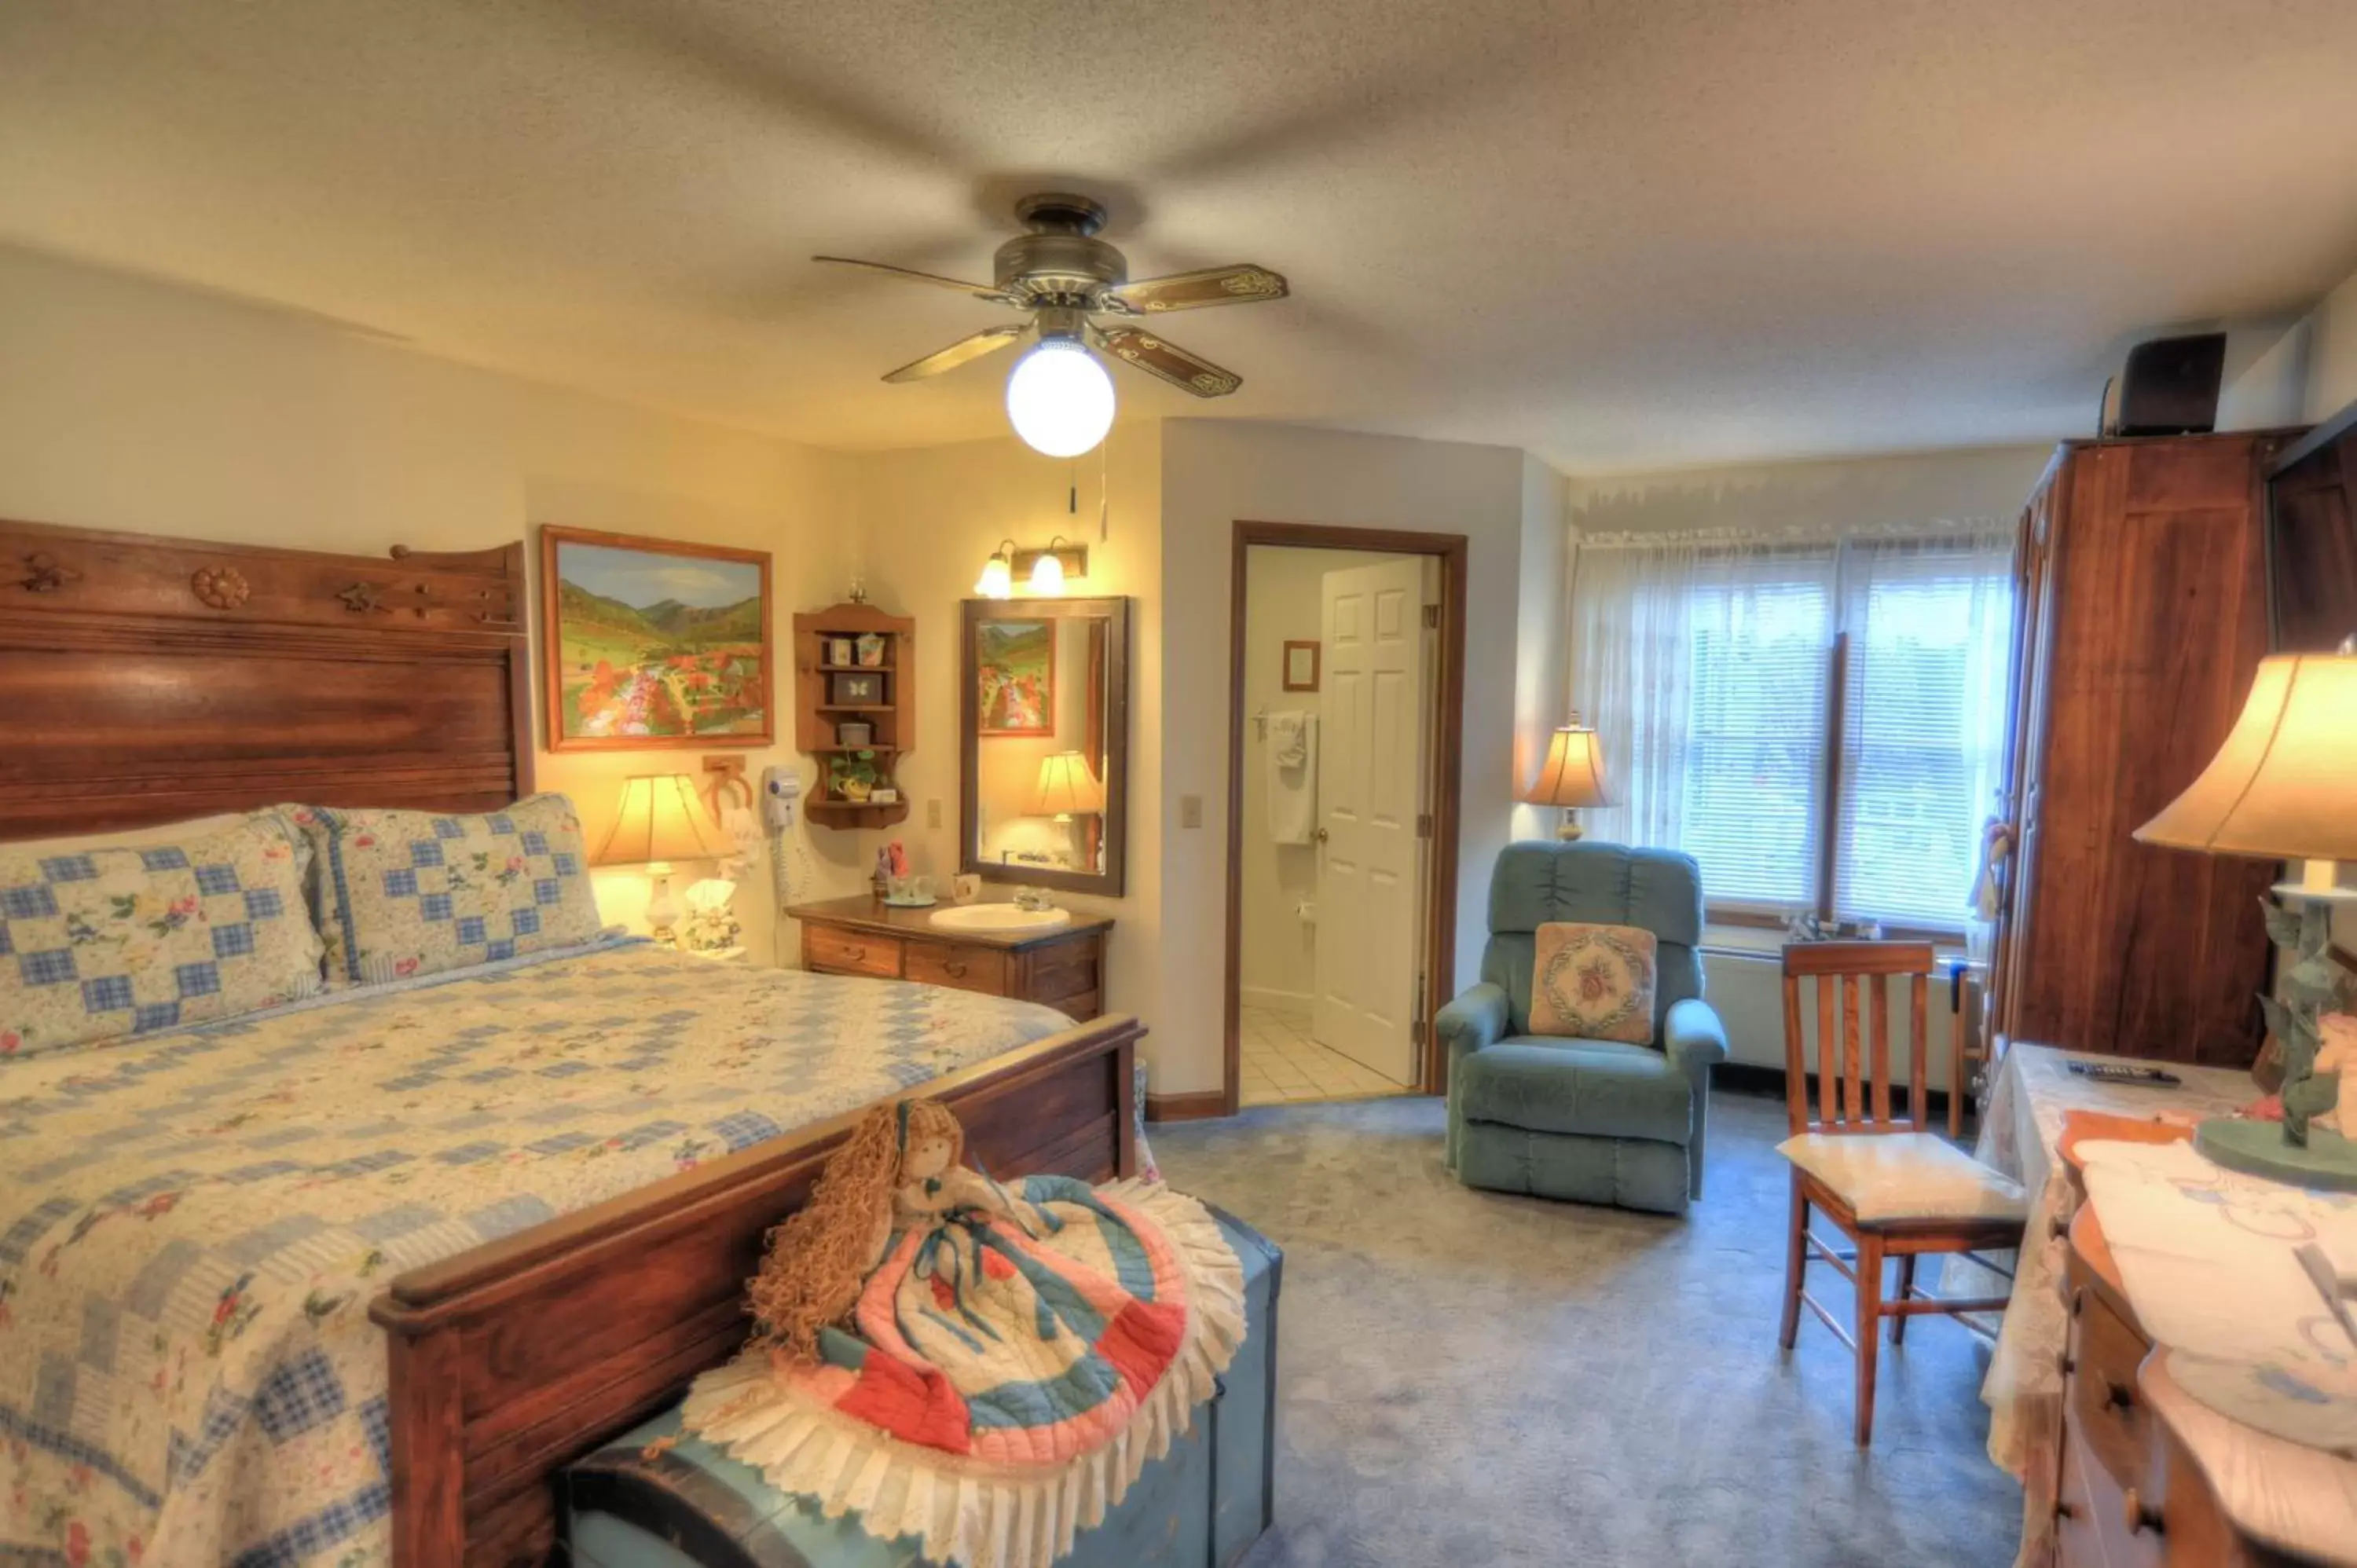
818,1259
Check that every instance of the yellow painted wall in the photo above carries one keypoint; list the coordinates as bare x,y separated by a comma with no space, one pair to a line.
133,405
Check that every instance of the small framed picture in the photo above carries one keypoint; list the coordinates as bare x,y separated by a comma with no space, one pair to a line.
860,690
1301,666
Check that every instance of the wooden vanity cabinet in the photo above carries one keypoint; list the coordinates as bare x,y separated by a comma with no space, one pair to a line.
1062,968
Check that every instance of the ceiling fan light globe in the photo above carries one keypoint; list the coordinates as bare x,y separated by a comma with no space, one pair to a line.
1060,399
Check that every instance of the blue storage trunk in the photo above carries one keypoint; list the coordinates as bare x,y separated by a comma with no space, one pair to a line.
1199,1506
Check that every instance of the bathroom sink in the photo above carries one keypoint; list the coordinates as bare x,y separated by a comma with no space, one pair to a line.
1000,919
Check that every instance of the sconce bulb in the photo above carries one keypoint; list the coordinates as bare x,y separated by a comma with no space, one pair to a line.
1059,399
1047,572
996,582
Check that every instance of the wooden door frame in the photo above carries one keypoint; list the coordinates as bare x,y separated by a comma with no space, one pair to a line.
1447,761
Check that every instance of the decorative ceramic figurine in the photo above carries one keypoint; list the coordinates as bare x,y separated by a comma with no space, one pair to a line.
711,924
2332,1087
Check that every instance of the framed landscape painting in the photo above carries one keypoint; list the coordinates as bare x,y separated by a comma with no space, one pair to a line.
648,643
1015,677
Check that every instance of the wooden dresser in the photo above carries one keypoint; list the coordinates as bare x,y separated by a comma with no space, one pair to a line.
2151,1478
1063,968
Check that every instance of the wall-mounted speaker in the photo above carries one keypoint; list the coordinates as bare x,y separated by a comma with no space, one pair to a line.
2170,386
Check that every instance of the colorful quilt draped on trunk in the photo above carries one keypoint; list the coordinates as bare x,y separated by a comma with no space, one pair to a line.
1009,1376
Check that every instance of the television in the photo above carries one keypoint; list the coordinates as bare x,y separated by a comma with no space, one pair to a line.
2311,540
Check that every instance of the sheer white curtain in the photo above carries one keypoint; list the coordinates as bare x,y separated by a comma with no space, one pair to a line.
1700,660
1705,663
1931,632
1630,664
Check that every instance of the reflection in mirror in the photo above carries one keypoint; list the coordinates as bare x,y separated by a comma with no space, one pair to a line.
1046,707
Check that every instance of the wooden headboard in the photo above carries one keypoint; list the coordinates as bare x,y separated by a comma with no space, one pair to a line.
145,679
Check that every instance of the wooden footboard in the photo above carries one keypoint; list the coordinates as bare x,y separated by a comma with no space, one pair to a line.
514,1358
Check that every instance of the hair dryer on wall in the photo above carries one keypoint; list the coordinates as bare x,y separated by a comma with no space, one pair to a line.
790,867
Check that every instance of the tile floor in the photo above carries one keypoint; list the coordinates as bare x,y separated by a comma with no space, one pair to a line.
1281,1062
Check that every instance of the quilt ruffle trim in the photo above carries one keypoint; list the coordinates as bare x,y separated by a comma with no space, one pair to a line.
976,1513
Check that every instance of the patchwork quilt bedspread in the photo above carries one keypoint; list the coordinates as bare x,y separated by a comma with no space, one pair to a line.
192,1225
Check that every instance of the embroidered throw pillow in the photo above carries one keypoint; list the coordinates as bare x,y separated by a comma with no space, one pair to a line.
1594,982
98,943
409,893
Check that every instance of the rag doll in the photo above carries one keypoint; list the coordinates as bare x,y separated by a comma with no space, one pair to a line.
901,1169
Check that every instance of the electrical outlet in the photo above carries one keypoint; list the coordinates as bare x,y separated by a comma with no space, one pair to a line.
1190,810
932,814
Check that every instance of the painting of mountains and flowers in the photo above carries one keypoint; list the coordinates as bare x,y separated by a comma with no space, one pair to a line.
651,643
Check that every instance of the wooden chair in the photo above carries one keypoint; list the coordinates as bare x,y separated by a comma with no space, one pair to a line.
1894,1189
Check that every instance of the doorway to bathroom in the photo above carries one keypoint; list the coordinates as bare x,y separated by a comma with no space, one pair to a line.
1345,712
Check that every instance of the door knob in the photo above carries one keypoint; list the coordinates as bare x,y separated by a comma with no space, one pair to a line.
1320,835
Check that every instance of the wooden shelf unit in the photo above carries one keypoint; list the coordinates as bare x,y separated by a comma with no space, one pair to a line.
815,717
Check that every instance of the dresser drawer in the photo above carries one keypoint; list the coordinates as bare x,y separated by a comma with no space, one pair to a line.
851,952
2105,1409
963,967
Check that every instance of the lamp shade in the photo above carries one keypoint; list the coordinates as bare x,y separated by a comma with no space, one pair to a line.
2284,787
1573,773
1067,787
660,821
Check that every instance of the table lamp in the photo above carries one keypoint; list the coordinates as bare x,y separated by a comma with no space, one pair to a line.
1571,777
1068,788
660,821
2284,787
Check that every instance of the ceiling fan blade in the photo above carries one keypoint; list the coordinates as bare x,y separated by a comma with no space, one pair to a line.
979,290
1242,283
1160,356
988,341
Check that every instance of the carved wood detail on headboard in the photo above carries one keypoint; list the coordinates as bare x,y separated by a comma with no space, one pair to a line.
145,679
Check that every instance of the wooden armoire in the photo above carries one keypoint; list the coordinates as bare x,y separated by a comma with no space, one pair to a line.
2141,618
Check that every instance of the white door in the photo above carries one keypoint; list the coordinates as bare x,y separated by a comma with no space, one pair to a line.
1369,789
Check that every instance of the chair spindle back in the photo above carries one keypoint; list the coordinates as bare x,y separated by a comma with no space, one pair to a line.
1843,1073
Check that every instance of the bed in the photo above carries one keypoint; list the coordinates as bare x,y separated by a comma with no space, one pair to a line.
658,1114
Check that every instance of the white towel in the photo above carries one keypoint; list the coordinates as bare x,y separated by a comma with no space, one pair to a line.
1292,775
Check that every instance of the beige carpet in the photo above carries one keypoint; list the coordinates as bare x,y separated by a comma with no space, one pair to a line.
1472,1379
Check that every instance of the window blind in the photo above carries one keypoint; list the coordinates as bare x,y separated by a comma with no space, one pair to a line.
1930,624
1753,765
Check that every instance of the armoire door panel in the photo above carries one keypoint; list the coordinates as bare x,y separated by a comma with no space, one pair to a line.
2152,621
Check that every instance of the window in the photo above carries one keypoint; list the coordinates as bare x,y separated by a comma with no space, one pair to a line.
1712,668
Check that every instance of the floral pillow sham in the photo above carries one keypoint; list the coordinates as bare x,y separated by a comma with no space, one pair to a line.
99,942
409,893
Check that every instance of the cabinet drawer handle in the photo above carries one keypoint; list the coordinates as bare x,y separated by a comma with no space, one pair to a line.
2118,1396
2065,1508
2140,1516
954,970
2078,1300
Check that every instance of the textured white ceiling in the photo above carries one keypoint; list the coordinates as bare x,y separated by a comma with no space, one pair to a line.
1626,233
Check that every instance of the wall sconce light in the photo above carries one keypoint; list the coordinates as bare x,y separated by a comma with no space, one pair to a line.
997,579
1044,570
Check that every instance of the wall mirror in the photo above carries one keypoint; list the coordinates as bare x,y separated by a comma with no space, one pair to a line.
1044,711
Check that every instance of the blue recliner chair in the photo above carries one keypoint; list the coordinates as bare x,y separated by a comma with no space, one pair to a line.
1591,1121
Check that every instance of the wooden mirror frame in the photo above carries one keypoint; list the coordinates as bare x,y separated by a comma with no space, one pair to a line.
1114,612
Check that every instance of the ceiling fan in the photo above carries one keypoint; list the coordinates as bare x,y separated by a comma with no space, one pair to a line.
1060,274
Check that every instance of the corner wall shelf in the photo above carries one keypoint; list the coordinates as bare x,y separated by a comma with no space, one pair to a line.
892,721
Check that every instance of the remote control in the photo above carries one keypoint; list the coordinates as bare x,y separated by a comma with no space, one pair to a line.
2120,1072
